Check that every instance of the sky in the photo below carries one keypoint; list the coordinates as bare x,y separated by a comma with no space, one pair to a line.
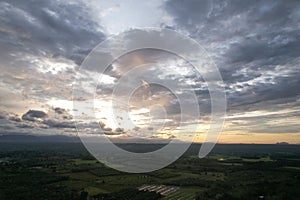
254,44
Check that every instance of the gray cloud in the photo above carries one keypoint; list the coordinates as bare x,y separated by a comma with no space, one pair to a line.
52,123
41,44
255,44
107,130
43,27
119,130
63,113
34,115
250,39
14,118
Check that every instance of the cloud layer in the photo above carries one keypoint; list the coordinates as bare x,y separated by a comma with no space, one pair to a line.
255,44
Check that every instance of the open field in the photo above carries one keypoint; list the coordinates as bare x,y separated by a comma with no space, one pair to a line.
67,171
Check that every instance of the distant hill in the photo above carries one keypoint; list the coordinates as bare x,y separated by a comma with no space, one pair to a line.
33,138
17,138
282,143
15,141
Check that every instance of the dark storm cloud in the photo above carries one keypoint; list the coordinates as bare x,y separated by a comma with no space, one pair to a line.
34,115
55,28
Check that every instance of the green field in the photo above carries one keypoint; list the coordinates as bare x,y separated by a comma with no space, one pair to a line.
69,172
